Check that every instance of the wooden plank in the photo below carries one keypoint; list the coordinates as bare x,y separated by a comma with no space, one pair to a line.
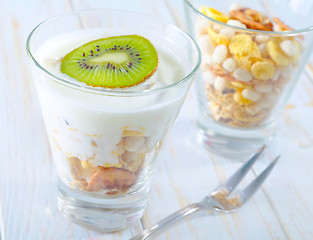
185,174
27,173
185,171
290,189
153,8
300,133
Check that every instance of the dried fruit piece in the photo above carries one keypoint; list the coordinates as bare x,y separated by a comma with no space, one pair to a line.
213,13
282,26
110,178
252,19
273,49
133,160
81,169
263,70
113,62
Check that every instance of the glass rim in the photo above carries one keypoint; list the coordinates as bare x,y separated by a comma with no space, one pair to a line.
112,91
278,33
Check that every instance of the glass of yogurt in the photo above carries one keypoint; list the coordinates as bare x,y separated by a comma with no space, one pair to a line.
253,53
105,141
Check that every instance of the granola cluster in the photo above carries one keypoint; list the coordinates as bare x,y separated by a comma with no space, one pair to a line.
244,72
110,178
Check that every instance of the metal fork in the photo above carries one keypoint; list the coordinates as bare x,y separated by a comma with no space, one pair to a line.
219,200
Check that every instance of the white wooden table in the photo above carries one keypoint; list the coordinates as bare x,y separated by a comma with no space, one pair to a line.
283,209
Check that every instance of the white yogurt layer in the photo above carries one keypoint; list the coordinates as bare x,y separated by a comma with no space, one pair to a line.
89,126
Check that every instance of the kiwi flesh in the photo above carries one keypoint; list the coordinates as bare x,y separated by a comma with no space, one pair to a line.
113,62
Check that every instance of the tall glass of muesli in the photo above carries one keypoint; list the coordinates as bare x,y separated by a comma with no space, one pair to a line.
253,53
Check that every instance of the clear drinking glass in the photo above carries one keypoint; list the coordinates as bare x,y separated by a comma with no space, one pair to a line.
247,75
105,141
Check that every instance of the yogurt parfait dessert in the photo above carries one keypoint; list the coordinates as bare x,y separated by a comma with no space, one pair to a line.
104,144
109,96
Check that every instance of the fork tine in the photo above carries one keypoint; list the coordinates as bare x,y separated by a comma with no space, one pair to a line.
248,192
235,179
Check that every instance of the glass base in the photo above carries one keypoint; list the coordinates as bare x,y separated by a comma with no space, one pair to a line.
104,215
232,143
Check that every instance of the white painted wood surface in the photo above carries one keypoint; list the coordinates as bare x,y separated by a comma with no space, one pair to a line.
283,209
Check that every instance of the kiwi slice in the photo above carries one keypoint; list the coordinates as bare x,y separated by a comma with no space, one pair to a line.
120,61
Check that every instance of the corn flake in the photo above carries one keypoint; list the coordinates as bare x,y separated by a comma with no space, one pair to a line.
246,61
273,49
263,70
217,38
238,98
240,44
238,84
245,51
213,13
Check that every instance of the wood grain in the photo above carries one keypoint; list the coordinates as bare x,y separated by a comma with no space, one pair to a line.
185,171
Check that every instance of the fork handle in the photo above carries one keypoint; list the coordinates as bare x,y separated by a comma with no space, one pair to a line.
169,220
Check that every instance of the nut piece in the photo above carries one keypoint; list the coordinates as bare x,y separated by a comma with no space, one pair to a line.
251,94
206,44
112,178
273,49
261,38
289,48
242,75
220,53
220,84
229,65
236,23
133,160
133,144
227,32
